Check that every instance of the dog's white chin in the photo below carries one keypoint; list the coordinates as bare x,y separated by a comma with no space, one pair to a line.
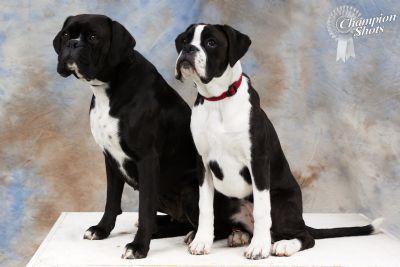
74,68
189,73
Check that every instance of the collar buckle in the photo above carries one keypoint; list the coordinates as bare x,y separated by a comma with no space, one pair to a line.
231,91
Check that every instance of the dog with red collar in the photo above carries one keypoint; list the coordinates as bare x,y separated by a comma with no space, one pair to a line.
241,156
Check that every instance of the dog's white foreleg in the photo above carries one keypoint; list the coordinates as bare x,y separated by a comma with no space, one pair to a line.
205,232
260,244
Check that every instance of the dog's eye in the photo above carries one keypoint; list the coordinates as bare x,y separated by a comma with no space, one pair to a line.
65,35
211,43
184,41
92,37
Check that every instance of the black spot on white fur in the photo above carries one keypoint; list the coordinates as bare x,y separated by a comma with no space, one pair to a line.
245,173
199,100
216,169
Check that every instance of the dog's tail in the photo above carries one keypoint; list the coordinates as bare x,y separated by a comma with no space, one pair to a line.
372,228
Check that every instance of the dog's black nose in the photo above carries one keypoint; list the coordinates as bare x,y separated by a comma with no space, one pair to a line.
188,48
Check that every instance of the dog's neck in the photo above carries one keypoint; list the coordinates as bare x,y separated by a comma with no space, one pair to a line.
218,85
99,89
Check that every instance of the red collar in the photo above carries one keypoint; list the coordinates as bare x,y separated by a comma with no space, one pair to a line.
230,92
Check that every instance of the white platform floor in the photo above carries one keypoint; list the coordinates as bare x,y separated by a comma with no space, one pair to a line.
65,246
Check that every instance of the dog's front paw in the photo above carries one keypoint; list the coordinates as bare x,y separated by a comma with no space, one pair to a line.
134,251
201,245
238,238
286,247
96,233
258,249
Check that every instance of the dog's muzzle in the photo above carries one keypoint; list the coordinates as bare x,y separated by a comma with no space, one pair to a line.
186,60
69,56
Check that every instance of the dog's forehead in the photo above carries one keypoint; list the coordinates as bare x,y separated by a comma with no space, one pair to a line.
189,32
87,22
205,31
213,31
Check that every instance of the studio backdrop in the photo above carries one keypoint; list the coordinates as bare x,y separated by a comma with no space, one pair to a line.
334,102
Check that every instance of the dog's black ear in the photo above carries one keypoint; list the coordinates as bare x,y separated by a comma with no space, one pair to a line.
57,39
121,44
238,44
178,40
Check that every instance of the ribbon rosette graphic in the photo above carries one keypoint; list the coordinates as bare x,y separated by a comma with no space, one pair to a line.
340,28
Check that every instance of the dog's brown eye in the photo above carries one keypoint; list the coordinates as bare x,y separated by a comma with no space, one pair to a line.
92,37
211,43
184,40
65,35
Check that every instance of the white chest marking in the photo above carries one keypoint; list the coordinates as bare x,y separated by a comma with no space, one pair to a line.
105,128
221,133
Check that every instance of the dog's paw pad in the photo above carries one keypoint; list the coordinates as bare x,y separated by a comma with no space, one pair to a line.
95,233
257,250
286,247
134,251
238,238
189,237
200,246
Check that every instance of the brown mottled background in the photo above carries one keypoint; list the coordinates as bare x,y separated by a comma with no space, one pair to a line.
338,122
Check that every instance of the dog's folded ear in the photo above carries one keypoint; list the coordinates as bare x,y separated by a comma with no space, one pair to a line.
121,44
57,39
238,44
178,40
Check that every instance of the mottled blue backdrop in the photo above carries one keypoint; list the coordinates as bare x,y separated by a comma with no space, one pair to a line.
339,123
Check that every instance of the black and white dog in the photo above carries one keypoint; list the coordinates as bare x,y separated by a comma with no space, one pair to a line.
142,126
240,150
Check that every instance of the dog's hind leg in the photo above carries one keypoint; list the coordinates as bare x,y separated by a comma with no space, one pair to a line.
238,238
289,231
244,216
168,227
244,224
288,247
